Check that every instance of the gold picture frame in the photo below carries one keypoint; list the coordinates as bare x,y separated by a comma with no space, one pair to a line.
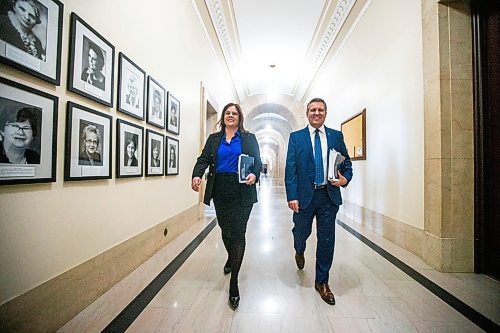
354,130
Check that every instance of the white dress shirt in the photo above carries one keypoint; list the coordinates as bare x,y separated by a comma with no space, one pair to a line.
324,146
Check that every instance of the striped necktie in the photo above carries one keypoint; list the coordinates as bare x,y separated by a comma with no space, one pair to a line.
318,159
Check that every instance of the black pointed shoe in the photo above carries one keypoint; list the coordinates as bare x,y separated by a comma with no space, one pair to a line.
234,302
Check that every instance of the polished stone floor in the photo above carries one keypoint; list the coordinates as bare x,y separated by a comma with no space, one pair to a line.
372,294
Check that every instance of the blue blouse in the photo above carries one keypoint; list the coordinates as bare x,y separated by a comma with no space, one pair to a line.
227,156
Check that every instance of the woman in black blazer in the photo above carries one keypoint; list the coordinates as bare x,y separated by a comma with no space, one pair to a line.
233,201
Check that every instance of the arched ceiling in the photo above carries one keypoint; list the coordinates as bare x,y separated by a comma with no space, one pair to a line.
276,47
273,51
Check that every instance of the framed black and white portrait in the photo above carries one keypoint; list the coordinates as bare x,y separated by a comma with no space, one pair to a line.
28,134
31,35
173,114
88,144
172,156
91,64
156,103
155,143
131,88
129,149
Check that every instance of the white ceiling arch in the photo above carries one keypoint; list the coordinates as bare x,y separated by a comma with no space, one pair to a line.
276,46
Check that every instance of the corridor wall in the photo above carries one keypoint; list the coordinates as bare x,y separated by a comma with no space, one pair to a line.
380,68
48,229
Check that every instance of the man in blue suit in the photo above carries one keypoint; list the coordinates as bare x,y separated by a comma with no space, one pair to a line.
310,194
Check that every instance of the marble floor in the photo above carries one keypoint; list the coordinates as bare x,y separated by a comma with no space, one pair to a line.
372,294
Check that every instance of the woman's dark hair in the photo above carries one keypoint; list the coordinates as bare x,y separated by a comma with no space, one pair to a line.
221,124
98,52
28,114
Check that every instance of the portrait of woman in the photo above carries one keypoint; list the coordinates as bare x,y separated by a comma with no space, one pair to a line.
17,24
17,131
94,58
89,154
155,156
172,157
130,150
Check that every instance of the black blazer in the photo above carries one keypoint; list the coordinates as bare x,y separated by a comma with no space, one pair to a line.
208,158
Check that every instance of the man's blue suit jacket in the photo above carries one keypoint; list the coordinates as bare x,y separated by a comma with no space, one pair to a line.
300,169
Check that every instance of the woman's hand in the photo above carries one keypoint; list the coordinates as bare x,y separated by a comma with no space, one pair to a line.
195,184
251,178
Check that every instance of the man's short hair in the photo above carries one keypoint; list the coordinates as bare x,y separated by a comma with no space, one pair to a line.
316,100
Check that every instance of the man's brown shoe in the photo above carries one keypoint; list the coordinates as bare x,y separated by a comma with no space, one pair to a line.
300,260
325,293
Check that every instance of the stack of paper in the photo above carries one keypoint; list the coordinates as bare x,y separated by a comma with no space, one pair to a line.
334,161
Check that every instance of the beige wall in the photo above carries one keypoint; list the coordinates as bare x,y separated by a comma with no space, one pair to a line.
47,229
380,68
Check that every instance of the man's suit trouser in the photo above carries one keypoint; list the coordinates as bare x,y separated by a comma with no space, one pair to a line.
325,212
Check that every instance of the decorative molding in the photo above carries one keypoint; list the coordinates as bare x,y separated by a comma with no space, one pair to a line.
222,19
221,15
338,18
327,32
220,24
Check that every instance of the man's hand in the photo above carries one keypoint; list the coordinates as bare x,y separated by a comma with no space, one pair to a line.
341,182
195,184
294,205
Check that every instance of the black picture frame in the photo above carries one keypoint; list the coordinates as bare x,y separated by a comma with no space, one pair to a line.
131,88
155,149
88,148
157,98
174,114
38,165
43,59
172,156
89,49
127,133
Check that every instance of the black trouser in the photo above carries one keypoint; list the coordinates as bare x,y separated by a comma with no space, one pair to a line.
232,215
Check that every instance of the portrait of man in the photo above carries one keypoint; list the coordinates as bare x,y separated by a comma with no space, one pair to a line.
132,97
93,60
90,153
21,26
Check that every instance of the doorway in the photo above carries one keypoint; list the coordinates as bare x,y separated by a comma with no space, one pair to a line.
486,41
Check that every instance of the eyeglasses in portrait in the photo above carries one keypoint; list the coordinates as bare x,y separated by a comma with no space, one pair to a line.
31,35
88,144
154,153
28,131
91,64
174,110
156,103
131,87
129,148
172,156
